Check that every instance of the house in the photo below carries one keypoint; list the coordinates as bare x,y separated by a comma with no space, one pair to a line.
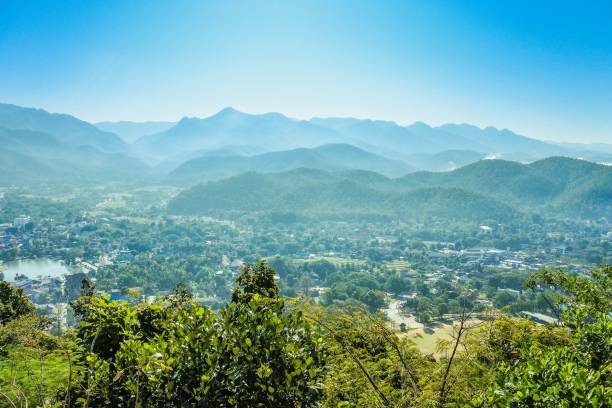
117,294
21,221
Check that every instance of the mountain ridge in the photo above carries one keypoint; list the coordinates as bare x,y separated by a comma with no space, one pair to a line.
333,157
502,187
274,131
66,128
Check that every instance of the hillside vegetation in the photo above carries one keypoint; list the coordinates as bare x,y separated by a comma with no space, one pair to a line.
31,157
318,191
335,157
260,350
486,190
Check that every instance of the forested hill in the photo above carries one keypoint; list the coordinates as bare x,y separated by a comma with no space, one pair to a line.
31,157
557,183
327,157
487,190
308,190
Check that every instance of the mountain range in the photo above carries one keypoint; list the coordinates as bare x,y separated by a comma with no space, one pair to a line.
488,190
259,133
310,191
132,131
38,146
31,157
67,129
331,157
274,131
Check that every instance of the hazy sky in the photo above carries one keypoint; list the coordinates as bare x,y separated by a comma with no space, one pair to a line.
540,68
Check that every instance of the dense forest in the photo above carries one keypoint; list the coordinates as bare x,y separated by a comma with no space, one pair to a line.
488,189
262,349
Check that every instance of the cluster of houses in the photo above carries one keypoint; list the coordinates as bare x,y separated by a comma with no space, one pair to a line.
480,257
22,232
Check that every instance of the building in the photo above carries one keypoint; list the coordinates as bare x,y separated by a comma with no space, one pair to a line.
21,221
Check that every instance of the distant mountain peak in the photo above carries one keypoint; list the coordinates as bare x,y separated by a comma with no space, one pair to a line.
228,110
419,125
230,113
66,128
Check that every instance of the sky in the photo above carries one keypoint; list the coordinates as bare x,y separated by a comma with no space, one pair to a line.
540,68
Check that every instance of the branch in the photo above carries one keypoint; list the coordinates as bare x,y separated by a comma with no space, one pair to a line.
356,359
389,338
443,388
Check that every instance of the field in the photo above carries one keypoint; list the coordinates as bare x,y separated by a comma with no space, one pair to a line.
427,339
334,260
398,265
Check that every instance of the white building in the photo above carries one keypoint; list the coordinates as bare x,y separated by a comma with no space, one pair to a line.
21,221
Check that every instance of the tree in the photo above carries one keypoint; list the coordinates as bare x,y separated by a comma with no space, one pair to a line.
396,284
255,279
573,374
256,352
13,303
503,298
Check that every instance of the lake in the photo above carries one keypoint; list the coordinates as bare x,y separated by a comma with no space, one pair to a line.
33,268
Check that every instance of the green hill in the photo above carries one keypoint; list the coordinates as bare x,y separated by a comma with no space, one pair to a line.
556,183
489,189
332,157
316,191
31,157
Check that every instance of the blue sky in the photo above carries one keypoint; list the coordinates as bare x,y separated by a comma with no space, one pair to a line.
540,68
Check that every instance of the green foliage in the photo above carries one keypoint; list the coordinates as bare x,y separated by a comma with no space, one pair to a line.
559,377
255,280
13,303
259,352
33,377
254,353
28,331
105,326
576,373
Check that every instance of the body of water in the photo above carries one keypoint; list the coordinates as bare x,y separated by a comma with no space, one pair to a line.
33,268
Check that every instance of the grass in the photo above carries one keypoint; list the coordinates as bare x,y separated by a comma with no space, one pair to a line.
427,342
29,376
113,201
334,260
398,265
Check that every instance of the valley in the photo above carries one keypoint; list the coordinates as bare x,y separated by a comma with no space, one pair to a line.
417,238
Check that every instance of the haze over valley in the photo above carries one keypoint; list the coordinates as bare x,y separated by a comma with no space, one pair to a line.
230,142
